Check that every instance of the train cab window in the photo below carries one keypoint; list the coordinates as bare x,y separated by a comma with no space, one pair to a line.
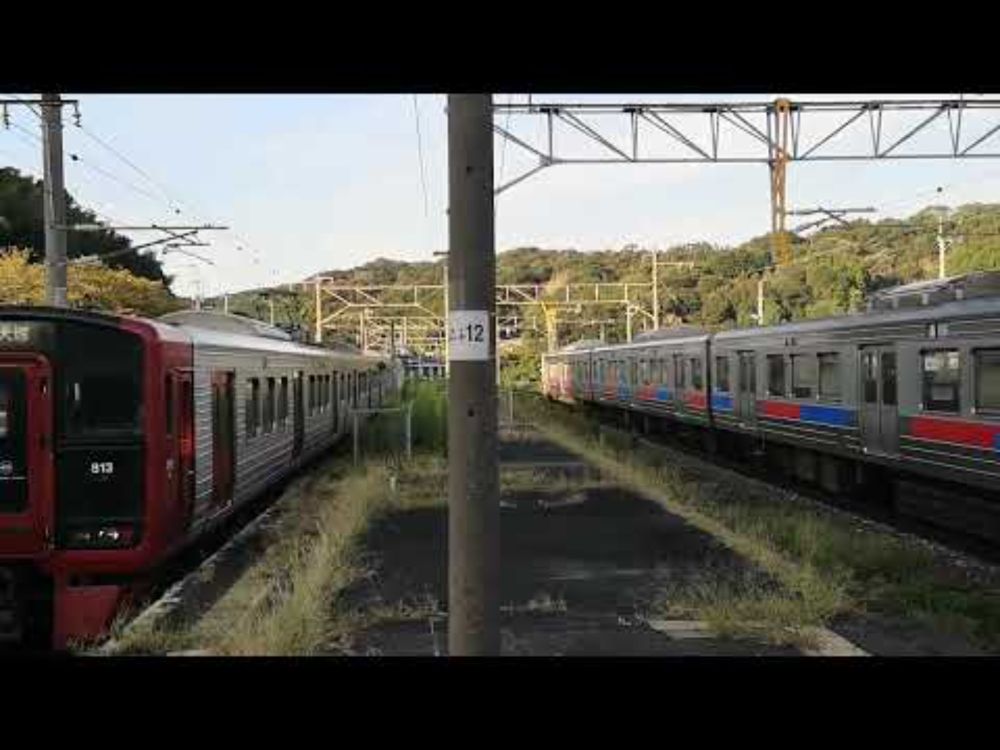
805,375
696,376
269,407
722,374
775,375
282,410
941,379
829,376
988,380
103,403
252,416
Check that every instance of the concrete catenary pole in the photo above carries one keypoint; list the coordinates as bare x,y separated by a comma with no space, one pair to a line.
54,206
473,474
656,292
318,331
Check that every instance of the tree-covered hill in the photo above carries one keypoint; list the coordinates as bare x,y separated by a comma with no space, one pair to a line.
22,226
831,272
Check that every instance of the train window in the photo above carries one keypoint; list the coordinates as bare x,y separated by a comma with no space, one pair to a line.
633,376
722,374
940,380
805,374
775,375
269,407
103,402
696,379
101,381
829,376
168,404
988,380
283,404
678,371
252,407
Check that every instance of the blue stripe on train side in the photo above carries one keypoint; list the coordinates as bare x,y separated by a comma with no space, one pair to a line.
722,402
829,415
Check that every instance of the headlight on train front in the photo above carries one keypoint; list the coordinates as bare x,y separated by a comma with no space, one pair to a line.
113,536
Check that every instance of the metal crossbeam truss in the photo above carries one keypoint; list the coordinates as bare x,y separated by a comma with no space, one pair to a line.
416,312
703,131
774,133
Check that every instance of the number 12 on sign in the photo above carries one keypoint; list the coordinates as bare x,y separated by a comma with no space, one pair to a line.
468,335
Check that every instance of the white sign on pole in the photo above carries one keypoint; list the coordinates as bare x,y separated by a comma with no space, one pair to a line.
469,335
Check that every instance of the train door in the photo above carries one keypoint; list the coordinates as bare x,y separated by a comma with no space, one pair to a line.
185,444
746,402
878,414
298,414
679,382
26,505
223,437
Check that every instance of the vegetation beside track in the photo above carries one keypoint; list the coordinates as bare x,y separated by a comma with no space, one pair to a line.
288,602
824,564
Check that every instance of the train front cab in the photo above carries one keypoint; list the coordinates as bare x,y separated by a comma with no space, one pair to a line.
92,470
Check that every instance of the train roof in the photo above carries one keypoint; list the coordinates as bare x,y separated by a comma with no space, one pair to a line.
923,302
225,322
685,334
980,307
93,317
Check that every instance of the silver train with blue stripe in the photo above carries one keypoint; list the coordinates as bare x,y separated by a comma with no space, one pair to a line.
897,404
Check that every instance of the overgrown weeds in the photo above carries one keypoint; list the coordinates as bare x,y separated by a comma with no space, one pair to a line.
824,565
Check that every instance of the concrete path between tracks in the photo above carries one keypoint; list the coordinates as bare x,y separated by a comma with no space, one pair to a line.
587,567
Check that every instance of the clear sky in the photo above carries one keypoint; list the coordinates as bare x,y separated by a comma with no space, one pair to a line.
311,183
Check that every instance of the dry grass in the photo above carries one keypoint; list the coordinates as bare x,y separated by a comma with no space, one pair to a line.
287,604
824,566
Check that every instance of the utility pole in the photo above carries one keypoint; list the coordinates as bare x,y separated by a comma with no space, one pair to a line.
656,294
319,316
942,243
760,301
473,472
447,365
225,303
54,206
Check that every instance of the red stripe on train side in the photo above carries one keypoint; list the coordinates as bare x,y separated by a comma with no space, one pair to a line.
695,399
954,431
780,410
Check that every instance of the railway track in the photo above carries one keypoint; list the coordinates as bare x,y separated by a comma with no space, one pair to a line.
966,549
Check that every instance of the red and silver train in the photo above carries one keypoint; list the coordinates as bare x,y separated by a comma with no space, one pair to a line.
906,392
123,440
